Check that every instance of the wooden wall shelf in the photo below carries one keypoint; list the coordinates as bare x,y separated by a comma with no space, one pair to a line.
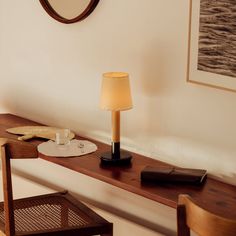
215,196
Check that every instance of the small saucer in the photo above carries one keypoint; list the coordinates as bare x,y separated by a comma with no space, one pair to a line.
74,148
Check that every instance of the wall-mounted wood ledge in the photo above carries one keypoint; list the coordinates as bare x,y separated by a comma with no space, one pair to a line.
215,196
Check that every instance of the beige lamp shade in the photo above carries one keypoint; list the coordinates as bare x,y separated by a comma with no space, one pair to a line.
115,94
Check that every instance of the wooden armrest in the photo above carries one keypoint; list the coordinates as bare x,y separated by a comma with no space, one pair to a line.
18,149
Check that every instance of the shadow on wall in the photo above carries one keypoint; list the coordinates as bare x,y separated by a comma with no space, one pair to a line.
153,70
230,178
48,107
151,88
194,153
115,211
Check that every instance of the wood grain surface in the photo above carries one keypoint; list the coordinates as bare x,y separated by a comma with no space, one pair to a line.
213,195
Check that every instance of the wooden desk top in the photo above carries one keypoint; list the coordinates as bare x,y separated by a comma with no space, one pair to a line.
215,196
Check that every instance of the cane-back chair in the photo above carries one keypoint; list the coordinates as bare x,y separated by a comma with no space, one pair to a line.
51,214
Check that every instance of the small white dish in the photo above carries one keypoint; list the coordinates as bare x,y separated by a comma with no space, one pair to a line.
74,148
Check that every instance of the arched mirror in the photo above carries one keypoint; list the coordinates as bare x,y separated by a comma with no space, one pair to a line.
69,11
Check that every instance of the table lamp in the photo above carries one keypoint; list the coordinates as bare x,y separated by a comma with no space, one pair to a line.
115,97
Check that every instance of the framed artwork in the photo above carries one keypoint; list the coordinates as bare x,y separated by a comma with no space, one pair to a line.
212,43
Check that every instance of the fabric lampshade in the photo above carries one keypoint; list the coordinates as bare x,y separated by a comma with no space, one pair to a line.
115,92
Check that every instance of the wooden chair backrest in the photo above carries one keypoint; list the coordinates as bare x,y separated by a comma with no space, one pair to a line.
15,150
192,217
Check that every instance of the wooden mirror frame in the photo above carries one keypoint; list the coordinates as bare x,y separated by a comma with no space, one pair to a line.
88,10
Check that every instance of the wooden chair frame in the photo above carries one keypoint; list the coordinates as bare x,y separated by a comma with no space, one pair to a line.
190,216
12,149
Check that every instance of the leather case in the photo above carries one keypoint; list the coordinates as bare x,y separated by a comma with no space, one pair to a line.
173,174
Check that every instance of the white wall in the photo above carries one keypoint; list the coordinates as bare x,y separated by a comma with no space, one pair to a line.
51,72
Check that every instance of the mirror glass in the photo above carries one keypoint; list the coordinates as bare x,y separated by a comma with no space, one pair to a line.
69,9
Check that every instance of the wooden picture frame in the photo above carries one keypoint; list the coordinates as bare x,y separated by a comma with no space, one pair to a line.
210,64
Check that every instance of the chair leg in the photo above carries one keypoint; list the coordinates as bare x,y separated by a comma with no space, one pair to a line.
109,230
182,227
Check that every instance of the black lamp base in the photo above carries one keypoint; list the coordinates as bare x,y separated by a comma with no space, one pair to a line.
108,158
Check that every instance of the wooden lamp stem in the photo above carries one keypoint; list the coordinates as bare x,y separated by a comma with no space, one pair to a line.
115,121
116,156
115,144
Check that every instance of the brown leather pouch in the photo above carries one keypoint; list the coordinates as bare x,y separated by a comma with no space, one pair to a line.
172,174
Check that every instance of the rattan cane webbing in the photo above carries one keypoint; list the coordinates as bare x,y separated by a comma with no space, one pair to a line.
49,213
